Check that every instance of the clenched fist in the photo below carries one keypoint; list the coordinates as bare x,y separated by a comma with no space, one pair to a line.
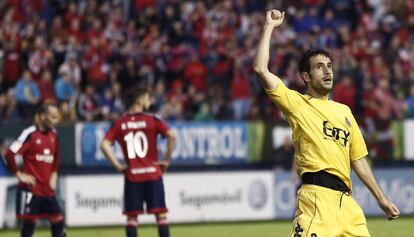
274,17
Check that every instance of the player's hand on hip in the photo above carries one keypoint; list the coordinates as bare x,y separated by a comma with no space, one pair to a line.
26,178
52,185
274,17
390,209
163,164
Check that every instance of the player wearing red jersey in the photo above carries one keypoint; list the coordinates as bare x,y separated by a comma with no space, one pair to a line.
136,132
36,198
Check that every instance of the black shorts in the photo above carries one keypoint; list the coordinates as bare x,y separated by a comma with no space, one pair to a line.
30,206
149,192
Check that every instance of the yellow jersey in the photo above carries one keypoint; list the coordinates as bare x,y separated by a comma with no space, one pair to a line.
325,133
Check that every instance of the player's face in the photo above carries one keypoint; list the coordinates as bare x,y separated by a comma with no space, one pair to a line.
51,118
321,74
146,101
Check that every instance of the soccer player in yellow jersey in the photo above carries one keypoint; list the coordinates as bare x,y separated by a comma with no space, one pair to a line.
328,143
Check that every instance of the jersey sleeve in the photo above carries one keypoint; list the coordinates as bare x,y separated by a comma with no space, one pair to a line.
358,148
19,146
162,127
284,98
56,160
112,134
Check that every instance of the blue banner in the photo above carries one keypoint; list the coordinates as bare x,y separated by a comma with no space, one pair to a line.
197,143
209,143
88,137
4,171
285,195
398,185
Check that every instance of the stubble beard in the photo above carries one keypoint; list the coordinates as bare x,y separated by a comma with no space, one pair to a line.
325,90
322,89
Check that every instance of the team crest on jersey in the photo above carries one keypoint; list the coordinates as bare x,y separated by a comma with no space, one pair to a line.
348,123
38,141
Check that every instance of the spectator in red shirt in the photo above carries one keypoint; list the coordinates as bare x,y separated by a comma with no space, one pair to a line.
12,61
46,87
195,73
368,101
57,30
75,30
142,4
95,60
95,31
388,106
240,93
72,14
40,59
11,67
222,70
345,92
16,12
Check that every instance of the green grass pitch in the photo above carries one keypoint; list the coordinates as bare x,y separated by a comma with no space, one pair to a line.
402,227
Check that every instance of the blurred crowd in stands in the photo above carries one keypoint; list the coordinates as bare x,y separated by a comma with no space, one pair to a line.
196,57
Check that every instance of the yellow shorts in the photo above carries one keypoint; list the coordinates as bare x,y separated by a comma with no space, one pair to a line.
323,212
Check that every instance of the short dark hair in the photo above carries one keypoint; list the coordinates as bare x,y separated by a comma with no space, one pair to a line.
304,64
44,107
133,94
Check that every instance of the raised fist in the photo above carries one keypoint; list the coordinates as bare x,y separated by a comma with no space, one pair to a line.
274,17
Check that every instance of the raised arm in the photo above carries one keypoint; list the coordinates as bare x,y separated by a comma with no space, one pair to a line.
364,173
268,80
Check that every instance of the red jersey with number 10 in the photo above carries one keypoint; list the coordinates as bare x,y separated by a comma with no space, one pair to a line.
137,136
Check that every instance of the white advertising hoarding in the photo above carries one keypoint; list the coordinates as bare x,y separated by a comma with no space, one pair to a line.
94,200
191,197
3,192
220,196
8,188
409,139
